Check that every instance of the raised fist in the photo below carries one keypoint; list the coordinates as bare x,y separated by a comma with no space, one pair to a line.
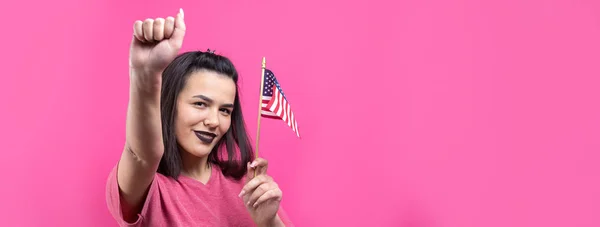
155,43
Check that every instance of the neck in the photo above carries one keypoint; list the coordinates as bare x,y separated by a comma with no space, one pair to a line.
196,167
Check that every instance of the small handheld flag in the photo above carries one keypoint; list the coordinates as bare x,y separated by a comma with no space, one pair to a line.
273,103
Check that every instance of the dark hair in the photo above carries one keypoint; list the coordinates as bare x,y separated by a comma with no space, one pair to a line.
174,79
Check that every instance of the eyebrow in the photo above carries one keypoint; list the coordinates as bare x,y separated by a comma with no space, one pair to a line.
209,100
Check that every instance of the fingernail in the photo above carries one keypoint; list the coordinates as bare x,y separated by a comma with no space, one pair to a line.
181,11
241,193
253,164
255,204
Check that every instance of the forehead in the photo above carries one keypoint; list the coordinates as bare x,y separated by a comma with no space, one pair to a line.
211,84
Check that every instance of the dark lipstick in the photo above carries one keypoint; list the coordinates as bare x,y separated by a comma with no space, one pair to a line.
205,137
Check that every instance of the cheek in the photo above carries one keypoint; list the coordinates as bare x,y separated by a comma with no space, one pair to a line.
187,117
225,123
180,126
193,115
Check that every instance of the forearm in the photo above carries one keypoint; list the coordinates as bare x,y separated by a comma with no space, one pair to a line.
143,126
277,222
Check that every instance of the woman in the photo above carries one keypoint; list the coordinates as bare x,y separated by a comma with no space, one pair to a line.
183,110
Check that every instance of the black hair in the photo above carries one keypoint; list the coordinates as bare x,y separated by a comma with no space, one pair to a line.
174,78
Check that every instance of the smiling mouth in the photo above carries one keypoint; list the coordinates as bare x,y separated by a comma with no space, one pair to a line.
205,137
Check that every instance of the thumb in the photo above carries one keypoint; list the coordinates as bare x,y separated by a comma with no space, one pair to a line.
179,31
250,173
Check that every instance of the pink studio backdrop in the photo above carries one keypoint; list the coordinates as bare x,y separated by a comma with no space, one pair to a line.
413,113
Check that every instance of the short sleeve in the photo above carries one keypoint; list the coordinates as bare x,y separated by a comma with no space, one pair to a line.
115,203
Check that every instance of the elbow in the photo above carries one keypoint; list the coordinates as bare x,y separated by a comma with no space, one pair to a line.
149,155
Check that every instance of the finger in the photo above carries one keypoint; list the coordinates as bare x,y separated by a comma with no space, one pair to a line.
253,195
259,162
179,30
252,184
250,173
275,194
138,32
255,182
158,29
147,27
179,20
261,165
259,191
169,27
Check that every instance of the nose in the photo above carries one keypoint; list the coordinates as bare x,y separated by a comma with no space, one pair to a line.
212,120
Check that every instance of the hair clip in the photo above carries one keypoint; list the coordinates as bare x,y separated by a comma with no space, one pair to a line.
210,51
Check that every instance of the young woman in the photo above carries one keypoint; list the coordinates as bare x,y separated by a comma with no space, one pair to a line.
184,113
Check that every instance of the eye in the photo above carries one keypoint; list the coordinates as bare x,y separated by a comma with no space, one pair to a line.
226,111
200,104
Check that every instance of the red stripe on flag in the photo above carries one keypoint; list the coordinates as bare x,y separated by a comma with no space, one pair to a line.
278,107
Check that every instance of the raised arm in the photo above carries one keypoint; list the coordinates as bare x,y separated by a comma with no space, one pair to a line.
155,43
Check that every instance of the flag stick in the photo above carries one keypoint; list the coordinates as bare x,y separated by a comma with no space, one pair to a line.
262,80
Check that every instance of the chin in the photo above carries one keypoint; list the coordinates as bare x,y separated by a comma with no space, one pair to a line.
202,151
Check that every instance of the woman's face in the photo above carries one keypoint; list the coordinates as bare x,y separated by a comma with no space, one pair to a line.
204,108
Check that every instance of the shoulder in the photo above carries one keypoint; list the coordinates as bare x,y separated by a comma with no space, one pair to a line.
114,201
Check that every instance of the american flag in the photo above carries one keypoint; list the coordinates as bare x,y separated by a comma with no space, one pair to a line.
275,104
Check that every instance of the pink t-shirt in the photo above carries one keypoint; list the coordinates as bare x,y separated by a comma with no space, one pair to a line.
187,202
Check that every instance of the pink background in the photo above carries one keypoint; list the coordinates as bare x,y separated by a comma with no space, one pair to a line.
413,113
